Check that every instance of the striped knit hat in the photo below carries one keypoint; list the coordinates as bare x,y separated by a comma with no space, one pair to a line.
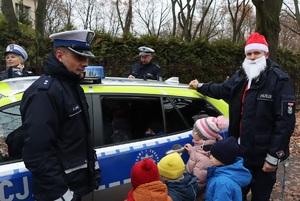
209,128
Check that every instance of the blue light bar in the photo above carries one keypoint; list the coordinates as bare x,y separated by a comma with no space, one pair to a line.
94,72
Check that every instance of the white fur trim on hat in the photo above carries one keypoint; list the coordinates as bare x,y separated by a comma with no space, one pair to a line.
256,46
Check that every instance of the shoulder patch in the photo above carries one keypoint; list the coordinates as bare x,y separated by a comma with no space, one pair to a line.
280,73
45,82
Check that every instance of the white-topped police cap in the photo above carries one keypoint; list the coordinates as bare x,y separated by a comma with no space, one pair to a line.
145,51
78,41
17,49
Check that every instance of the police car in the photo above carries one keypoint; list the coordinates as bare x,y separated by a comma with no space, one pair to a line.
131,119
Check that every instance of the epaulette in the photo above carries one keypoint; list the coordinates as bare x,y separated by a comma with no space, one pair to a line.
45,82
156,65
280,73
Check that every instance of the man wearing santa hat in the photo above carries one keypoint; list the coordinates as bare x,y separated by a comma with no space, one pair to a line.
261,102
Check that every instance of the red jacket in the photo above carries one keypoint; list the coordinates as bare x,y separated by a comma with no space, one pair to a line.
153,191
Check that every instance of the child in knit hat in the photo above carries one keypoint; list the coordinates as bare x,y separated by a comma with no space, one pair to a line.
181,185
205,133
227,175
146,184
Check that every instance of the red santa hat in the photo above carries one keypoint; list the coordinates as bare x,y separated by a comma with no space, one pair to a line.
256,41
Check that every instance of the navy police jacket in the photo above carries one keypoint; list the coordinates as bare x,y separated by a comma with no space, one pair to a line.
57,149
148,71
12,72
266,120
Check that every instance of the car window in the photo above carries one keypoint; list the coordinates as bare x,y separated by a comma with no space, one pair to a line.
10,129
193,109
130,118
174,122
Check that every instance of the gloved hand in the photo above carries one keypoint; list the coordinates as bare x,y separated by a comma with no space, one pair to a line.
97,178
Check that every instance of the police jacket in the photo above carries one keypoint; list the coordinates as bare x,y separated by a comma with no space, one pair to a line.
266,120
56,126
12,72
148,71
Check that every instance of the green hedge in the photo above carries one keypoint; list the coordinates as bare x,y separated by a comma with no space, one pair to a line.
206,61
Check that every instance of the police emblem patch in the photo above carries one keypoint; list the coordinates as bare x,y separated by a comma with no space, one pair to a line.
290,108
280,154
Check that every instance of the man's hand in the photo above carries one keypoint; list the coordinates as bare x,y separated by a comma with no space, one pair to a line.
194,84
131,77
268,167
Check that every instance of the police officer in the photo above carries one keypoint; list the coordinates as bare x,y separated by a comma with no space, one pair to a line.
145,68
261,101
58,150
15,57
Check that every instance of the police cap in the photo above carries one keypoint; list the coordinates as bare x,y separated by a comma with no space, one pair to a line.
17,49
78,41
145,51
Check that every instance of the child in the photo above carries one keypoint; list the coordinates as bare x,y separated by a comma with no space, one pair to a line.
146,184
227,175
205,133
181,186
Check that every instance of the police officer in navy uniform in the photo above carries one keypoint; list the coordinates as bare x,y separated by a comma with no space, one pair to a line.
58,149
261,100
145,68
15,57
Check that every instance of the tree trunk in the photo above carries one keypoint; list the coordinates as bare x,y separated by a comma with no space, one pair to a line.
40,15
268,24
128,19
11,19
174,17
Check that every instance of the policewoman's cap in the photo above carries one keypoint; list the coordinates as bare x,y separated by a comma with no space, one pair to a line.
78,41
145,51
17,49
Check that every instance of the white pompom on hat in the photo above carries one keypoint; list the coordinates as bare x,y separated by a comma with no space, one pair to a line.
256,41
208,128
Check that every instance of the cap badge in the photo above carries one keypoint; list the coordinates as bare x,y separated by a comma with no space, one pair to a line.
11,47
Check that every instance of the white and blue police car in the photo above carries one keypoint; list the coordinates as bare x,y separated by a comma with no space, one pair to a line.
131,119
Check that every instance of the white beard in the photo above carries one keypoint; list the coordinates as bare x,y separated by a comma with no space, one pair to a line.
253,68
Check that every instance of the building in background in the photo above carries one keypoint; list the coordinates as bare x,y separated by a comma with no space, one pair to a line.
28,14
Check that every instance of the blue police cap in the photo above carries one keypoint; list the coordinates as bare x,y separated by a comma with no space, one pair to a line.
78,41
145,51
17,49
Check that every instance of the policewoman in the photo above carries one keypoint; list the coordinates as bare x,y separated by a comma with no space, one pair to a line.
261,100
15,57
145,68
57,149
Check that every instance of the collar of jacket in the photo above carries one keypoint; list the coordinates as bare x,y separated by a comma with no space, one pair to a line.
57,70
